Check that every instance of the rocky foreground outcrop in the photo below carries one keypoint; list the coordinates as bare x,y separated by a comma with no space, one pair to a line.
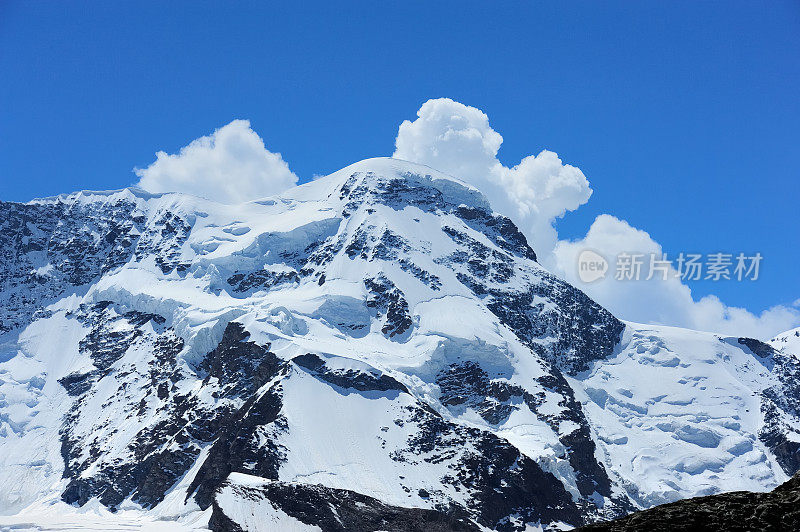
777,510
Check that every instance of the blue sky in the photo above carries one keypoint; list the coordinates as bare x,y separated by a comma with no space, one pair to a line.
684,116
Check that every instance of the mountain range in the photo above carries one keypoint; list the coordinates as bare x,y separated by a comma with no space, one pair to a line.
374,350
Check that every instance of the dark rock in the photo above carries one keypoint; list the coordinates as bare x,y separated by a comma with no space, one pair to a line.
494,399
584,331
739,511
219,522
238,365
338,510
499,480
239,448
469,385
390,305
161,453
261,279
758,347
357,380
78,383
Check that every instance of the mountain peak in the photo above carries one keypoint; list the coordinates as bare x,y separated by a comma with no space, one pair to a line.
387,175
392,167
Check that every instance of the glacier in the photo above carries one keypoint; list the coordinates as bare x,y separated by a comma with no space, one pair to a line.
375,349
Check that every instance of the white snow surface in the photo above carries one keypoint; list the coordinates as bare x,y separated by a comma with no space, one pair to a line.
788,342
677,414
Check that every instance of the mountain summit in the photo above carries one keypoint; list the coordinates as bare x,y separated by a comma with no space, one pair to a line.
376,349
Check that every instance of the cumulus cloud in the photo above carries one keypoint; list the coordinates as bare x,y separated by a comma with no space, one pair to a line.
666,301
457,139
231,165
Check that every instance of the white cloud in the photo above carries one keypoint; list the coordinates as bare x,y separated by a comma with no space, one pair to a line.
657,300
231,166
457,139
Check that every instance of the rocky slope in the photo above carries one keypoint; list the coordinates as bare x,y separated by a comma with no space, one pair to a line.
377,342
778,510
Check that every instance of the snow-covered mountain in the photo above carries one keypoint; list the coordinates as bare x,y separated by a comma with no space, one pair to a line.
373,350
788,342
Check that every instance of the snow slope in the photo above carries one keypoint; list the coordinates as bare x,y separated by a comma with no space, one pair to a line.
788,342
678,414
377,342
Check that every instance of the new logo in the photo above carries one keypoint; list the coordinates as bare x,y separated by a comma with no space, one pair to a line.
591,266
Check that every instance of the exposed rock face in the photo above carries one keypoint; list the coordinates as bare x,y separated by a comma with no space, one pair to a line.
744,511
170,428
376,348
781,410
332,510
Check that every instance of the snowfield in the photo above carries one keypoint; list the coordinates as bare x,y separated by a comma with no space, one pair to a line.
788,342
373,349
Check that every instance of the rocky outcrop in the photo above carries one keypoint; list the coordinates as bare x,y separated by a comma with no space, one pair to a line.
739,511
335,510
